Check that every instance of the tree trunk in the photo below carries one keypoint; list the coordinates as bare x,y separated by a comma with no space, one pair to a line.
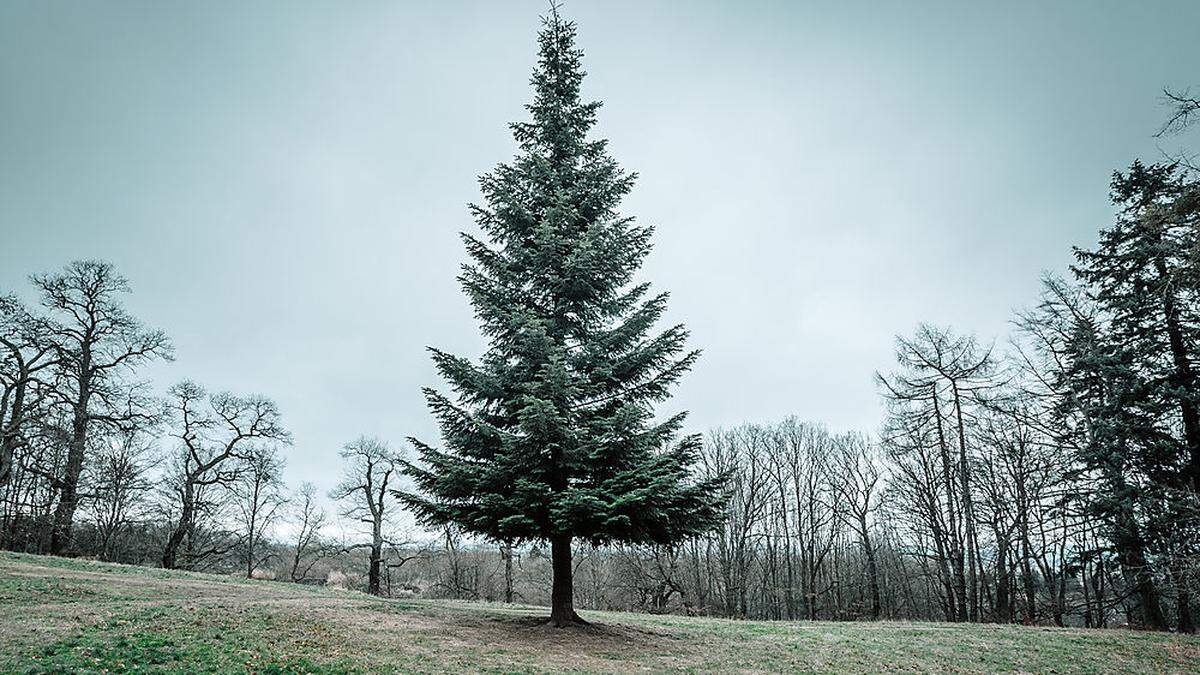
1183,606
562,593
790,592
1133,561
944,575
1003,611
295,573
507,551
373,573
373,576
968,511
872,568
1029,612
10,431
171,550
68,498
250,539
955,539
1183,378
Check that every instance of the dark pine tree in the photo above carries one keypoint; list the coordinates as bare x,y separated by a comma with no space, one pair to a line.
1144,274
1101,390
552,436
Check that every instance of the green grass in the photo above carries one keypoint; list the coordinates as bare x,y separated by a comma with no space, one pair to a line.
159,640
68,616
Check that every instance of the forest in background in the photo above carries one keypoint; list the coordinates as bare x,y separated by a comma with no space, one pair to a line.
1054,479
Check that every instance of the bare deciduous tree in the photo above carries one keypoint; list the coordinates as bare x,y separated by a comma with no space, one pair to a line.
258,496
120,480
940,370
215,432
25,351
370,472
98,345
858,482
310,519
1185,110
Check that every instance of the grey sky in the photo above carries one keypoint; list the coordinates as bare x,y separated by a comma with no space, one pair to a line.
284,183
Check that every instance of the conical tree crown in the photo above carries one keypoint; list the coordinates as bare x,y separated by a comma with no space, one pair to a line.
552,432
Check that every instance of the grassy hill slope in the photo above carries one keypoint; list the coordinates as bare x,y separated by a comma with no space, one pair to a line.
60,615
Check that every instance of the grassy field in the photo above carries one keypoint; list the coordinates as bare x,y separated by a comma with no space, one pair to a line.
60,615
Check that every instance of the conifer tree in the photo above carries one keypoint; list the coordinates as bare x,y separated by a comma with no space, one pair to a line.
1097,389
1145,273
552,436
1144,386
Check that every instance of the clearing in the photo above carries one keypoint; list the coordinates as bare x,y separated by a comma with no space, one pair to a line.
61,615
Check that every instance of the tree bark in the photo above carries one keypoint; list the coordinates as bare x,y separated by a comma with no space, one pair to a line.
10,431
872,567
68,497
250,535
186,514
373,572
1129,544
955,541
1003,609
968,511
507,551
562,593
1183,378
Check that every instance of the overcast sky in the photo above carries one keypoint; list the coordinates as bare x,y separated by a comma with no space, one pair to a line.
284,183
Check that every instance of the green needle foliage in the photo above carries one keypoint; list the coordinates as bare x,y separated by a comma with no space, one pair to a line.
552,434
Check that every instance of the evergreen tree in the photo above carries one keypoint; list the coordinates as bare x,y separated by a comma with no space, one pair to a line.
1099,388
1144,389
1145,273
552,437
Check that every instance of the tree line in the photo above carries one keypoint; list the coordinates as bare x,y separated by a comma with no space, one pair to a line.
1054,479
92,463
1051,480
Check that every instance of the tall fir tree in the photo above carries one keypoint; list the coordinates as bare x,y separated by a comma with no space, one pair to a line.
1145,272
552,435
1144,388
1097,389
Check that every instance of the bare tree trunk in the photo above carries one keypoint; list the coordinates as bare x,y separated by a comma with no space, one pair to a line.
373,575
10,431
956,548
507,551
1003,610
971,537
562,593
250,536
1137,571
1030,610
171,550
790,592
68,499
872,568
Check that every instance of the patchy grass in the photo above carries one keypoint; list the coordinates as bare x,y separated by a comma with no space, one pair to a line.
65,616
